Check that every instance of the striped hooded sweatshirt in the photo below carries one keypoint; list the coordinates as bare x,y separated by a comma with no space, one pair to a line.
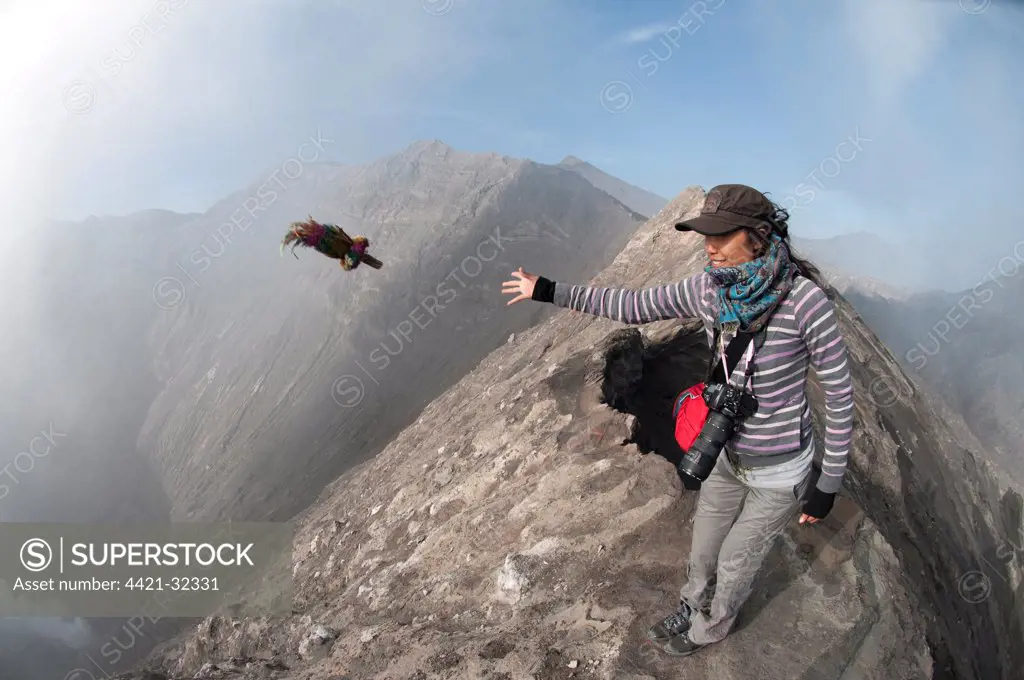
803,332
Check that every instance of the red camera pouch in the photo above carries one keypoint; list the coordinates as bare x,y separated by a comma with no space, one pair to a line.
690,413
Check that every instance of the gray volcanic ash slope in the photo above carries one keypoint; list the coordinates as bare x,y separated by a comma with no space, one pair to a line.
517,530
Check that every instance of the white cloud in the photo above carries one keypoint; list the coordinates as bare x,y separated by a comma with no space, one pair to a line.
897,40
642,34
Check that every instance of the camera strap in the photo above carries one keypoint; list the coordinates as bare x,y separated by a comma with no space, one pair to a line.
723,360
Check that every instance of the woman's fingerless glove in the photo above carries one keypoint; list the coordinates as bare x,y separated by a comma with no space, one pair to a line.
819,503
543,290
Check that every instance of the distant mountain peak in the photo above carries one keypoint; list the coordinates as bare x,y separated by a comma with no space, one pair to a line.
145,218
573,160
422,146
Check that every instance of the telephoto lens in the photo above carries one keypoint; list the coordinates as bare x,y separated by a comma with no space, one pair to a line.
727,406
700,459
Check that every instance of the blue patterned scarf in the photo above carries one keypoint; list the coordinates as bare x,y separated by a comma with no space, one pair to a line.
750,292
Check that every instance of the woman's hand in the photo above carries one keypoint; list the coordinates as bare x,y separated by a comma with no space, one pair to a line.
522,288
817,506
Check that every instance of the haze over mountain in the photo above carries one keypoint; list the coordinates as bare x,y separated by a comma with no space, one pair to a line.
966,348
639,200
867,257
334,362
963,344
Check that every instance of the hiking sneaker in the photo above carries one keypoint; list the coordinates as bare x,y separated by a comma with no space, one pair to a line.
674,624
680,645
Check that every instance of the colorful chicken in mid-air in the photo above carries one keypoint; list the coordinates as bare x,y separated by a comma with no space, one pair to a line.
332,241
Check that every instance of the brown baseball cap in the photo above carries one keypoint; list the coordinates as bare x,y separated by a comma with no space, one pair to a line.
729,207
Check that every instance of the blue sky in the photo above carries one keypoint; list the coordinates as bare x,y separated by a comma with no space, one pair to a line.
762,93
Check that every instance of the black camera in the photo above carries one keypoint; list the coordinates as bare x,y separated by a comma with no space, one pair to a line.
727,406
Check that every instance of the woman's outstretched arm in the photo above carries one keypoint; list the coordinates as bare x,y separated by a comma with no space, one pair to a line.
681,300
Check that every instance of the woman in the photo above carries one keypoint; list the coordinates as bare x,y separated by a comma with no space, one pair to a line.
752,283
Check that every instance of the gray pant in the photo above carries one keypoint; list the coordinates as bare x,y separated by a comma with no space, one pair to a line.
727,551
